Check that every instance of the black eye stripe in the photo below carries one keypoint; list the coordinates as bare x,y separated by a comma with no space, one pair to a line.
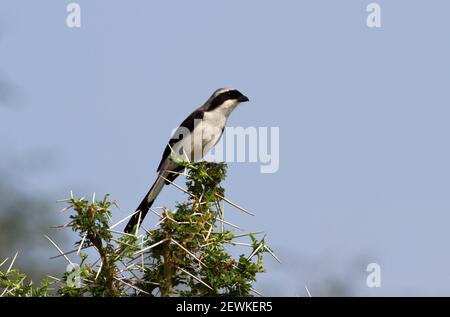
221,98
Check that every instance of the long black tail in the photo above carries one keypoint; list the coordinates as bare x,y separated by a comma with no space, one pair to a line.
145,205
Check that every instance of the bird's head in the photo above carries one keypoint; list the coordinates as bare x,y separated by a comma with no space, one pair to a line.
226,99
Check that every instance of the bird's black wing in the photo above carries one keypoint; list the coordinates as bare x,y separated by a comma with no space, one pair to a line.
188,123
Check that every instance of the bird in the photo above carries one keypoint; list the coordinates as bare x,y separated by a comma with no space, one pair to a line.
191,141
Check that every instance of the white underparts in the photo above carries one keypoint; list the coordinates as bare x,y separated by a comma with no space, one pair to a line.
194,145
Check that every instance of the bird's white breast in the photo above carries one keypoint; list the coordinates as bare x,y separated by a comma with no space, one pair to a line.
212,127
206,133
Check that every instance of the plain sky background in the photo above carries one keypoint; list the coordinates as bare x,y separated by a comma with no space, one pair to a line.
363,115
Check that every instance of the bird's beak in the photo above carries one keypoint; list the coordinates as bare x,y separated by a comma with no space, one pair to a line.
243,99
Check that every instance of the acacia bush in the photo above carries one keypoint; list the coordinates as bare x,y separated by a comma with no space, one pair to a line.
187,254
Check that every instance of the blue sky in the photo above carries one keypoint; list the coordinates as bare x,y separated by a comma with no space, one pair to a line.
363,115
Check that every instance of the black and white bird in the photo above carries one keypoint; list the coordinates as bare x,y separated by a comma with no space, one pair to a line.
192,140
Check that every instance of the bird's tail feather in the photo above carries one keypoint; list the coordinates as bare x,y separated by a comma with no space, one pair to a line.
145,205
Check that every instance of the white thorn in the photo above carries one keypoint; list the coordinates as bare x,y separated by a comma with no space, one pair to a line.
59,250
81,244
151,247
12,263
307,291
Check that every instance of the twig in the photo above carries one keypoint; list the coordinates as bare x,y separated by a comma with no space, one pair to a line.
4,261
99,270
151,247
122,220
307,291
70,252
256,292
123,233
222,216
121,242
4,291
177,186
256,250
12,263
132,286
272,254
234,205
54,278
57,248
138,224
65,209
61,226
247,234
196,278
229,223
188,252
159,216
240,243
209,233
82,243
178,173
